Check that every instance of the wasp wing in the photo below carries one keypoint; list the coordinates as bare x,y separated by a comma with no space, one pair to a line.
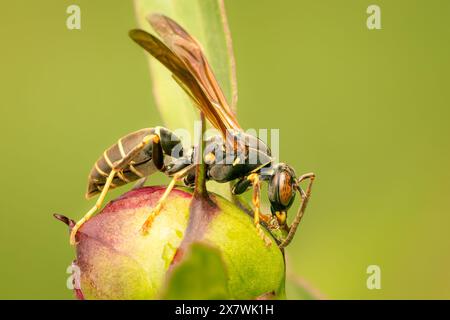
183,56
190,51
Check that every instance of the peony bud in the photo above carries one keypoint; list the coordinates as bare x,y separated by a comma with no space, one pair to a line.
117,262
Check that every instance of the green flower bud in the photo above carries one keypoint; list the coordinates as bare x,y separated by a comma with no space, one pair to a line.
117,261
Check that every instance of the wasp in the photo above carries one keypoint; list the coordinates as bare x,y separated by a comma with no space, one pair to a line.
231,156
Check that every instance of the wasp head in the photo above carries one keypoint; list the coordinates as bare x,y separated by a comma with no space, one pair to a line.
282,188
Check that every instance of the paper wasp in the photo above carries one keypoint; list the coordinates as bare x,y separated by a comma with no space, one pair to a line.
144,152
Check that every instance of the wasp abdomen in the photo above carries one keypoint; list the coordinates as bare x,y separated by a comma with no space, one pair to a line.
140,167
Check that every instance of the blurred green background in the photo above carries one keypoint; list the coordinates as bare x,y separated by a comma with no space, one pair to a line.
368,111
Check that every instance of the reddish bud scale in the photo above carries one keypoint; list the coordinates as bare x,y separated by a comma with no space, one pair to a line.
117,262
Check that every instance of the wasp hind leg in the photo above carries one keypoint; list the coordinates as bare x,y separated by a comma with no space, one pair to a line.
118,166
97,206
157,209
254,178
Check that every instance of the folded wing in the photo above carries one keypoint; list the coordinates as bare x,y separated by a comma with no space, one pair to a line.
183,56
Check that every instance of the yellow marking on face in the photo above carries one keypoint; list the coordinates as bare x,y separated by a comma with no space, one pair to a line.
102,173
236,161
281,217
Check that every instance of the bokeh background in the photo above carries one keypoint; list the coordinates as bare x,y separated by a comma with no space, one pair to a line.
368,111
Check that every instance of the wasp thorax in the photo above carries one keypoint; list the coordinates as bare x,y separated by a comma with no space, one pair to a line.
282,188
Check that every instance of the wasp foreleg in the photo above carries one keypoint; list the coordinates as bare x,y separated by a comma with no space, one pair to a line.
305,198
254,178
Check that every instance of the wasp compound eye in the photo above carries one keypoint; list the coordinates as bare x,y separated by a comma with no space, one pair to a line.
282,189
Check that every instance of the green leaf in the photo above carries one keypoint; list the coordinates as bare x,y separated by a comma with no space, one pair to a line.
206,21
201,275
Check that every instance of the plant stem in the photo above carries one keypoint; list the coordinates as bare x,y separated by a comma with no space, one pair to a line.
202,209
200,171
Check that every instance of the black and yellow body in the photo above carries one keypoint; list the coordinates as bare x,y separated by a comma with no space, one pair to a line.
140,166
231,156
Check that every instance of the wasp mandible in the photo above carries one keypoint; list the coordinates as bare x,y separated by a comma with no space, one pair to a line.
228,157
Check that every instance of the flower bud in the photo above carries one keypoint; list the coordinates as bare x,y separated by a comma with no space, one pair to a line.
116,261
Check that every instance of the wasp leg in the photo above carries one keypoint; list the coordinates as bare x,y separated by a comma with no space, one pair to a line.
254,178
305,198
303,177
156,210
117,167
240,187
97,206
